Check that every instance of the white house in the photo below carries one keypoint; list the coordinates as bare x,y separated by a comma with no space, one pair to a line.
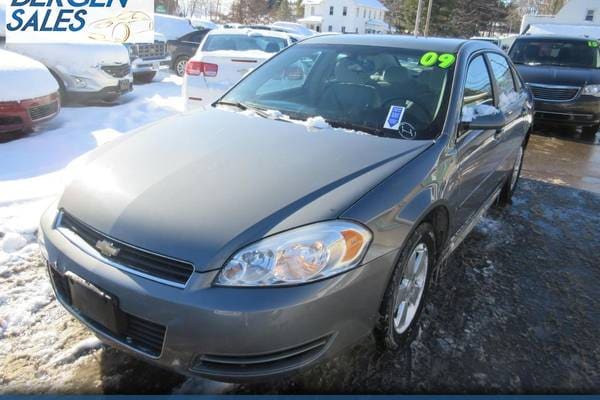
575,12
358,16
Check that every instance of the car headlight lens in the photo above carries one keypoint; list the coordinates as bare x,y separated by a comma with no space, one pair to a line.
591,90
300,255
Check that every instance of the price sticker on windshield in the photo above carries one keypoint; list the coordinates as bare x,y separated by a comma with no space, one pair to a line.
593,43
394,118
431,58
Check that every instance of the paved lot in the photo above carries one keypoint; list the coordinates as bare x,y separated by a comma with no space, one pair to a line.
516,310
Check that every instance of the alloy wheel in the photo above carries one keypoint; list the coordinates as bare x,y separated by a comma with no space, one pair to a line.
180,67
410,291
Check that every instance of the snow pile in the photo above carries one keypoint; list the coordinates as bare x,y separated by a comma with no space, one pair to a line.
469,112
172,27
16,69
42,348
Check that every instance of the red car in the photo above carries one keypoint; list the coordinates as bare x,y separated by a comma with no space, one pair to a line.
29,93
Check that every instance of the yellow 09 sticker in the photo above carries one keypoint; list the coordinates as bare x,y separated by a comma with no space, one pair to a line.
431,58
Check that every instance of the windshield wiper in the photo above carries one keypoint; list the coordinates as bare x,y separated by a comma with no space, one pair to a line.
263,112
356,127
236,104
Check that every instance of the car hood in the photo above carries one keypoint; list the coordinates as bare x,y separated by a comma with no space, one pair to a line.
199,186
549,75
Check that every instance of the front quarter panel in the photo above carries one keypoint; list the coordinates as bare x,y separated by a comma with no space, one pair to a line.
396,206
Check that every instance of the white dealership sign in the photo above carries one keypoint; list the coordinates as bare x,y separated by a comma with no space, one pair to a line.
51,21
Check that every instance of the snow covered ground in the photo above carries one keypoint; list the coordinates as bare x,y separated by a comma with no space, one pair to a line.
41,347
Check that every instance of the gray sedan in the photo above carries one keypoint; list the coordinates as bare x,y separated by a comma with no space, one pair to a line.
304,210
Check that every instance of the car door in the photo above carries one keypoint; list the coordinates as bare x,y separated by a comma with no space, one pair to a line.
190,42
512,100
475,147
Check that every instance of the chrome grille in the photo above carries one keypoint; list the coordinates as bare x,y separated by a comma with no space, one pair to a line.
133,259
43,111
151,50
554,93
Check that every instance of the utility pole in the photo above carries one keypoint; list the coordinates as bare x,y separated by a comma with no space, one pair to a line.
418,19
428,17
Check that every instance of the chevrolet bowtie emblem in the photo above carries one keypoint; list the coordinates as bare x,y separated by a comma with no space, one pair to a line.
106,248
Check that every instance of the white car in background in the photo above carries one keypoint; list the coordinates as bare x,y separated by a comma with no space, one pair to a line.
223,58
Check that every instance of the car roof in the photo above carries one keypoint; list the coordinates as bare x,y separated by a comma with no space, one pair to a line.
554,37
248,31
400,41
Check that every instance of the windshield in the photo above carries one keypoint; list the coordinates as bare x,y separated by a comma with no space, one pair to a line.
562,53
268,44
380,90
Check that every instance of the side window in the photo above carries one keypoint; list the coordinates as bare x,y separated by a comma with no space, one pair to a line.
478,96
504,79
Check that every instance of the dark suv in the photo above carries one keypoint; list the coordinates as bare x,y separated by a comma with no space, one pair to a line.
184,48
563,74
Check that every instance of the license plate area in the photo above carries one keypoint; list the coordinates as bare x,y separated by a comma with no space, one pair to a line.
95,304
124,84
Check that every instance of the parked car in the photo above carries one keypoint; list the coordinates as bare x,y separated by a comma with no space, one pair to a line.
184,48
148,58
295,27
493,40
305,217
85,72
289,31
224,57
564,75
29,94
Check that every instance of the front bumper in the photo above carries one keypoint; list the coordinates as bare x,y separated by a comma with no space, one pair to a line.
230,334
23,115
139,65
108,93
581,111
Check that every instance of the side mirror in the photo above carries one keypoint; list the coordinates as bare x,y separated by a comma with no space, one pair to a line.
494,119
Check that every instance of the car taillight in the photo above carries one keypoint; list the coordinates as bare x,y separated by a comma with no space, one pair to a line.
199,67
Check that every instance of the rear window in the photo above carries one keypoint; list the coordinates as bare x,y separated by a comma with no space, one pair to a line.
267,44
562,53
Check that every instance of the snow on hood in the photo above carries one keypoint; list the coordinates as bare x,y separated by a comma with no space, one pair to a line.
73,57
16,69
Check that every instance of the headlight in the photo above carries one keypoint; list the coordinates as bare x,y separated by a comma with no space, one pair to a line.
591,90
300,255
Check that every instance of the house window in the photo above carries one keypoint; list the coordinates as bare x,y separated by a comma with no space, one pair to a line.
318,28
345,11
330,28
370,14
590,15
331,10
343,29
356,30
357,12
364,13
312,10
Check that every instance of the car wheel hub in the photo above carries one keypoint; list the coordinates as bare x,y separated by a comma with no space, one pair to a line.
411,288
181,67
516,170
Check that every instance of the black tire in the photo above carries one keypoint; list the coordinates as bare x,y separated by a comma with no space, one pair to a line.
179,65
589,132
144,77
386,332
505,197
